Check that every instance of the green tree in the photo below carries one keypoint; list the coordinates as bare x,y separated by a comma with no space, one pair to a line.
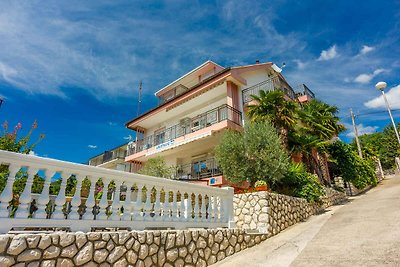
254,154
157,167
272,106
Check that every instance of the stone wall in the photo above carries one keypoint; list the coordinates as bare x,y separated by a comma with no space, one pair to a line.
270,213
144,248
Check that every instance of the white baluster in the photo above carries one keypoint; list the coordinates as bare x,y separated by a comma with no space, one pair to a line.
174,208
148,205
127,204
116,204
44,198
7,195
157,205
221,209
76,200
60,200
196,208
182,208
90,201
212,208
103,204
138,205
26,197
166,213
203,207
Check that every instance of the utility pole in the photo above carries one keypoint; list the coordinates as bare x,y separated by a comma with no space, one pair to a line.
356,133
139,100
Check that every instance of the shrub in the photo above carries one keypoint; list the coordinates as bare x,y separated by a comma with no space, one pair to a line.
254,154
157,167
300,183
360,172
260,183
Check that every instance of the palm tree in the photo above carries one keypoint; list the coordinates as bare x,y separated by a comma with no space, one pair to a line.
273,107
319,119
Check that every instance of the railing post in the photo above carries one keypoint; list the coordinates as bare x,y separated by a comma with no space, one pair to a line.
76,200
103,204
174,208
44,197
60,200
165,212
127,204
26,197
138,205
203,207
228,207
90,201
182,208
7,195
196,207
147,205
157,205
116,204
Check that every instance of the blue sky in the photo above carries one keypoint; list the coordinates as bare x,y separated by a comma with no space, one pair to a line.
75,66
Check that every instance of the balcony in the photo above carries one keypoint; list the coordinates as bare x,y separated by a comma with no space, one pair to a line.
274,83
303,90
107,157
171,94
187,126
197,170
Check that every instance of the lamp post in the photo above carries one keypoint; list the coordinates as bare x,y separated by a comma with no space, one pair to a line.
381,87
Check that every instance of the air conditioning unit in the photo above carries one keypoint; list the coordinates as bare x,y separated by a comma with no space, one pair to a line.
212,181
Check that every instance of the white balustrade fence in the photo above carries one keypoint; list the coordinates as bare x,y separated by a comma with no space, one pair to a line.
103,198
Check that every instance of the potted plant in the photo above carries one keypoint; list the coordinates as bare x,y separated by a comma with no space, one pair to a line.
261,185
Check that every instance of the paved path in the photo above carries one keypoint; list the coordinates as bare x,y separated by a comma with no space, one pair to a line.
364,232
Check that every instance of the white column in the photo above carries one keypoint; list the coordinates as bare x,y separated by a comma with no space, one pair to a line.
182,208
213,205
221,209
26,197
157,205
203,207
147,205
76,200
103,201
138,205
175,213
116,204
90,201
44,196
166,213
60,200
127,204
196,208
6,196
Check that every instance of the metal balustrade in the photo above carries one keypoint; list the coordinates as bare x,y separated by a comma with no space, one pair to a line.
271,84
197,170
221,113
137,201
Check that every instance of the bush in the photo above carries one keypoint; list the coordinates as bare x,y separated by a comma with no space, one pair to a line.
260,183
157,167
360,172
300,183
254,154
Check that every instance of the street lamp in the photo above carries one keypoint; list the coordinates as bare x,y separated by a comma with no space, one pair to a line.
381,87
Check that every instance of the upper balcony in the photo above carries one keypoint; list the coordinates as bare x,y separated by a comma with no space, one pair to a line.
304,93
274,83
188,129
109,157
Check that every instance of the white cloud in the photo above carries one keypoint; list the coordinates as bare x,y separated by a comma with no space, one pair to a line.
393,97
365,78
366,49
92,146
111,123
328,54
300,64
361,130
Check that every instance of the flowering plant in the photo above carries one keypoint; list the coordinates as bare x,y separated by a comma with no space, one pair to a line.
10,142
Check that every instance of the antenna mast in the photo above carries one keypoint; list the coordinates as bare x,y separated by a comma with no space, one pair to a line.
139,100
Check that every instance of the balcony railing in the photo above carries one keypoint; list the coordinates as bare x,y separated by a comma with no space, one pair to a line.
107,156
137,201
274,83
304,90
188,125
197,170
171,94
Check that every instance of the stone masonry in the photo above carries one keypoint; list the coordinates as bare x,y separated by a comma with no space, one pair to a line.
144,248
270,213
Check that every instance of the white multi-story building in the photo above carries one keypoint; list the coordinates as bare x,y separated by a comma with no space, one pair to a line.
195,110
